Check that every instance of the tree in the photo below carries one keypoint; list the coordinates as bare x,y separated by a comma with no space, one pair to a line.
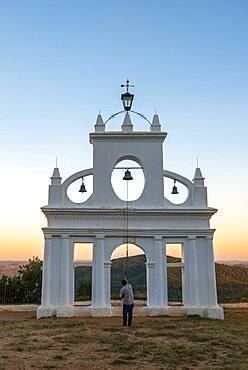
84,289
30,281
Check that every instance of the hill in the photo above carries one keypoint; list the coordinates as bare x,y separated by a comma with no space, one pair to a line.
10,268
232,281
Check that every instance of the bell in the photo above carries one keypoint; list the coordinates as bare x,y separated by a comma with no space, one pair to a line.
82,187
174,189
127,175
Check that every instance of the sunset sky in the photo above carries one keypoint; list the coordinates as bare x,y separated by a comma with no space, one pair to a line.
61,61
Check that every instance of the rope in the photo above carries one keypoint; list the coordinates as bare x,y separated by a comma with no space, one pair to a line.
126,261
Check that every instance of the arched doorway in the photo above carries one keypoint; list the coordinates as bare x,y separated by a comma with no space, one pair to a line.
134,267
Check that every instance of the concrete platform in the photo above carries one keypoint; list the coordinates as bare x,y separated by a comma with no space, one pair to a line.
84,309
215,312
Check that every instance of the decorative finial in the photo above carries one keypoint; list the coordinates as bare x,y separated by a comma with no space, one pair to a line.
127,85
56,163
197,164
127,123
155,126
198,179
99,126
56,178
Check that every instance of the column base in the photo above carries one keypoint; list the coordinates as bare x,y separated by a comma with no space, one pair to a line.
45,311
100,311
65,311
59,311
212,312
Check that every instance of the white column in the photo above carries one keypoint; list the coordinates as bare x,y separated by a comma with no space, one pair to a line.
98,281
150,279
107,276
46,272
190,276
212,293
71,272
66,272
160,272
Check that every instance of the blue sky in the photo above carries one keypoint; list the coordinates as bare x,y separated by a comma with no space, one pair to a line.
61,61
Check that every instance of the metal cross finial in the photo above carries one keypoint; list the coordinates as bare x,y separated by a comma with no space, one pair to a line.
127,85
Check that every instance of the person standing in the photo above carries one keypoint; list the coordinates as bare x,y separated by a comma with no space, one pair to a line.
126,294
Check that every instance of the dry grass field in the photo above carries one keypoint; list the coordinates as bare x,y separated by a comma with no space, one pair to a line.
102,343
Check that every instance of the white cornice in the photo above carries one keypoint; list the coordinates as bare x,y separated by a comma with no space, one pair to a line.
132,232
117,213
130,136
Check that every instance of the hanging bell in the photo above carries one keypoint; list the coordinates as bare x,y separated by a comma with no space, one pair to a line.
174,189
127,175
82,187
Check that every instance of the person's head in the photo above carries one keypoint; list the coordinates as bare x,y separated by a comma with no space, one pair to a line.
124,282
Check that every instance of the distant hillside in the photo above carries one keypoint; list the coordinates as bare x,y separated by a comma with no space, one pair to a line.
235,262
10,268
232,281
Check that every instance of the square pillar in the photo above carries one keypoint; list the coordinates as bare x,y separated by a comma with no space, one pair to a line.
107,276
210,278
51,276
160,272
98,275
46,272
199,284
151,285
65,308
190,283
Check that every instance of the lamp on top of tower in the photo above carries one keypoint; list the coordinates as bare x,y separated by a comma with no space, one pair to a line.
127,98
82,187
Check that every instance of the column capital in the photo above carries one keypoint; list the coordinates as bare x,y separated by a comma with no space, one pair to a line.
107,264
158,237
100,236
150,264
65,236
47,236
191,237
209,237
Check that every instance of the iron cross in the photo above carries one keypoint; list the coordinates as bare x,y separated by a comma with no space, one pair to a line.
127,85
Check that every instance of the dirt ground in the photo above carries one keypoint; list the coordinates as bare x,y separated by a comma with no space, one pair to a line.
102,343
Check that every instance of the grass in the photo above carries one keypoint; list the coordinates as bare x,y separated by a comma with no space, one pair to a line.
101,343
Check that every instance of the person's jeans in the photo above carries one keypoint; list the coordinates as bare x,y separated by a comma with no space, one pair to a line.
127,314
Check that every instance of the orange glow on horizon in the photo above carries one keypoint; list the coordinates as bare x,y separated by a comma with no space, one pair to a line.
227,246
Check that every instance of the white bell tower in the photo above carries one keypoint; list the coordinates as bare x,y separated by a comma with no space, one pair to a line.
146,148
154,222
